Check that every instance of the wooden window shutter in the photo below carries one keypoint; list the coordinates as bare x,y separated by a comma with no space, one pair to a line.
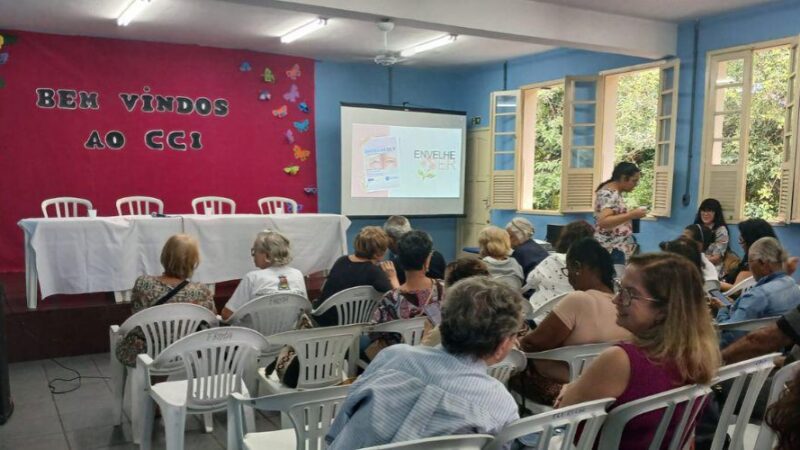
580,162
504,125
664,163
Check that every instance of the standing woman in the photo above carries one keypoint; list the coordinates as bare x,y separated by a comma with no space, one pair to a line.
614,229
710,215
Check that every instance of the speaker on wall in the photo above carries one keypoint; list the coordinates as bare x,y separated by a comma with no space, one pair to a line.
6,404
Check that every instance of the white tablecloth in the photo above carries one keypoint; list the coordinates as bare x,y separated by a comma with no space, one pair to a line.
82,255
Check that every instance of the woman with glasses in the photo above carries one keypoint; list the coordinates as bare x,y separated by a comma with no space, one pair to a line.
660,300
585,316
271,254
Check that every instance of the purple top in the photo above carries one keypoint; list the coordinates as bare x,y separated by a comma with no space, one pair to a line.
647,378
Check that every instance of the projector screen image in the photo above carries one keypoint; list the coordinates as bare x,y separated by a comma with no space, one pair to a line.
402,161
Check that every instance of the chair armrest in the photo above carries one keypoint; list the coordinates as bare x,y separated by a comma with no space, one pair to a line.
550,355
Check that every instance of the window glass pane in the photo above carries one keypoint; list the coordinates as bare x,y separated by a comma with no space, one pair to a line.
725,153
504,143
729,99
547,153
666,104
504,161
727,126
505,104
771,72
584,113
582,158
503,124
663,154
585,90
583,136
731,71
668,78
665,132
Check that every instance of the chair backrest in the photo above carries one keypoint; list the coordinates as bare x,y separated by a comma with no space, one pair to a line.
548,305
460,442
514,362
217,362
747,325
320,353
691,398
271,314
512,281
748,378
213,205
410,329
577,356
766,435
563,422
164,325
742,286
139,205
277,205
66,206
312,412
354,305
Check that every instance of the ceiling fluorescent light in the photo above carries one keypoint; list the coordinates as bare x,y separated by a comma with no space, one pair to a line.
424,47
308,28
130,13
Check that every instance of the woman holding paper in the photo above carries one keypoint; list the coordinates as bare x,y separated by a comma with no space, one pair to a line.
613,220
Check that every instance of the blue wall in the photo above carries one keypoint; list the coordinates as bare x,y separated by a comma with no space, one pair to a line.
369,83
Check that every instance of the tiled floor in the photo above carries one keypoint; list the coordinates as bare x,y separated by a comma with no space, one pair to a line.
82,419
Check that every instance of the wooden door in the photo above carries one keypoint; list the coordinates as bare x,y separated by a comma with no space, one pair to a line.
477,189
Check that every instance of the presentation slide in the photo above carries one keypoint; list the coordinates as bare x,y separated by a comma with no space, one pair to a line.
402,161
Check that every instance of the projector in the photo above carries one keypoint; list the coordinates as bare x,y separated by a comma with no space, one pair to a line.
386,60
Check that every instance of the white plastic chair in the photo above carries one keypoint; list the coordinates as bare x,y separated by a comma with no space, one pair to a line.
213,205
460,442
271,314
742,286
512,281
311,413
410,331
748,378
562,423
747,325
354,305
67,206
139,205
578,357
162,326
277,205
766,435
547,306
217,364
320,354
691,398
512,364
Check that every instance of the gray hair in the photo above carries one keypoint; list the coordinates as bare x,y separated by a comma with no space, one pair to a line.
769,250
521,228
478,314
396,227
276,247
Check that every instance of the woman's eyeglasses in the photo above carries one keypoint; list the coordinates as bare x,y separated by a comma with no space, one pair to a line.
626,296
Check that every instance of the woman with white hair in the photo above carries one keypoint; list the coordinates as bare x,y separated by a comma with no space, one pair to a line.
271,254
526,251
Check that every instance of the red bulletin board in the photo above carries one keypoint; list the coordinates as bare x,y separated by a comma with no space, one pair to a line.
103,119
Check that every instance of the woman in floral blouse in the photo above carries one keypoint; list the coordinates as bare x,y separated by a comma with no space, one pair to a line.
179,257
613,226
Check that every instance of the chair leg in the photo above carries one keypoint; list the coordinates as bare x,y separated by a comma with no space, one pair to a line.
118,376
174,425
208,420
139,399
148,411
249,420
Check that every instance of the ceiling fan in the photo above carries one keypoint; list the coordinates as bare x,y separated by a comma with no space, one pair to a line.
388,57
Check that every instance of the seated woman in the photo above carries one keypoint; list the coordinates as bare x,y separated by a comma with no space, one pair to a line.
418,296
495,248
585,316
179,258
711,217
701,237
750,231
660,300
364,268
526,251
548,278
271,254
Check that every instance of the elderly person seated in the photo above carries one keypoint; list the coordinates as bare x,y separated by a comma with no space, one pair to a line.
495,248
419,392
271,254
774,293
179,258
396,227
527,252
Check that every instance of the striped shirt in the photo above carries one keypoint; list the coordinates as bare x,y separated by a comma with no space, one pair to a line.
411,393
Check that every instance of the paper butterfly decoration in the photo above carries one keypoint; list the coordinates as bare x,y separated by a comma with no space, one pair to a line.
301,126
291,170
293,94
294,72
3,58
300,153
245,66
264,95
303,106
289,135
280,112
268,76
310,190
